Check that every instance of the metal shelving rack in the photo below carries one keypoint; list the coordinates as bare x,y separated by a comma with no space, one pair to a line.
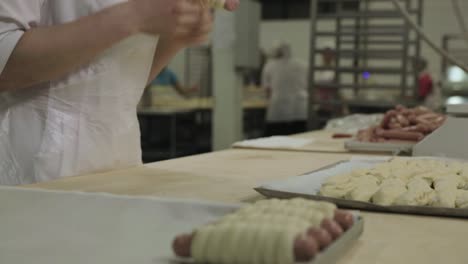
199,68
373,39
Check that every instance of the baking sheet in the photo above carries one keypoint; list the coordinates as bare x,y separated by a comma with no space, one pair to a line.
308,186
320,142
395,148
44,227
274,142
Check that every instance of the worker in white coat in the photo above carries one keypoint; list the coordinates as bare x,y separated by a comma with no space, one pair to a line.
285,79
72,73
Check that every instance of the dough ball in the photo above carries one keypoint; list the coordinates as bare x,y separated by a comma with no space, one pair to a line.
389,191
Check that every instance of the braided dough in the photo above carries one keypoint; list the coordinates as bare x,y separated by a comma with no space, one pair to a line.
414,182
259,233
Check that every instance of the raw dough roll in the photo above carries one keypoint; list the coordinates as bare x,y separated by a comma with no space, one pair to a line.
389,191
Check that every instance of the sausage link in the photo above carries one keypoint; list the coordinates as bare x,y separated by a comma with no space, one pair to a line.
344,218
403,135
321,235
387,117
305,248
182,245
394,125
333,228
402,120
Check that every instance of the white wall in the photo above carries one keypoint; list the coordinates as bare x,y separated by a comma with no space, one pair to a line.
438,20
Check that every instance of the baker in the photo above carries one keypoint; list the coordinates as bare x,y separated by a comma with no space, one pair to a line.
72,74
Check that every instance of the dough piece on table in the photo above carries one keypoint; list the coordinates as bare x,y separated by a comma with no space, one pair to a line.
337,186
338,179
401,173
445,191
273,243
464,177
336,191
389,191
419,193
381,172
447,182
360,172
462,199
366,187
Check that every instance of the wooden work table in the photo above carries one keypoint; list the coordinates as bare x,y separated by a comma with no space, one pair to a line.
229,176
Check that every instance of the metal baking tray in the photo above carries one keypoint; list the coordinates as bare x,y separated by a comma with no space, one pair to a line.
394,148
308,186
329,255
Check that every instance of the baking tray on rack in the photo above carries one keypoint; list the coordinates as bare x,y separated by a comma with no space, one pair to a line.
308,186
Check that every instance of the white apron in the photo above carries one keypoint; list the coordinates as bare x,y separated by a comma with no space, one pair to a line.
84,123
287,80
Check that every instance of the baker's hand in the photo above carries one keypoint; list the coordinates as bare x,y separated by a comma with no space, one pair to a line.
186,20
198,33
158,17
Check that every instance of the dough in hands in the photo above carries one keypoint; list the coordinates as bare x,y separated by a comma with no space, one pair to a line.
389,191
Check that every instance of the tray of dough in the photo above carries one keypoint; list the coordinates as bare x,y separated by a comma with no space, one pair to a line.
44,227
420,185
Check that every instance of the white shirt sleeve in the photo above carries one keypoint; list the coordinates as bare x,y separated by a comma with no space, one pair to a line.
16,17
266,74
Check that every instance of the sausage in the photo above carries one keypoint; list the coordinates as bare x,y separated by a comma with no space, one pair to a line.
413,119
365,135
333,228
403,135
305,247
402,120
429,116
421,110
182,245
394,125
321,235
414,128
387,118
400,108
341,135
439,121
380,140
345,219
